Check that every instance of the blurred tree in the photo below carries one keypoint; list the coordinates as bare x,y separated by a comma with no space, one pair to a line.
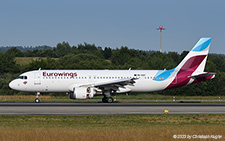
82,61
14,52
35,65
62,49
107,52
7,63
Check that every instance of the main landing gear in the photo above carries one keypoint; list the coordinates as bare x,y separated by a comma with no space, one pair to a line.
107,97
37,100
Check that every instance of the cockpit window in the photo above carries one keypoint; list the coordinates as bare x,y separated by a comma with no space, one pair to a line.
22,77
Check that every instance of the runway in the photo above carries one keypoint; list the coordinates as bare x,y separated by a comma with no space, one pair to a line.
109,108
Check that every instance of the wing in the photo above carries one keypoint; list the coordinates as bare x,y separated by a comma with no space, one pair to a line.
115,85
120,82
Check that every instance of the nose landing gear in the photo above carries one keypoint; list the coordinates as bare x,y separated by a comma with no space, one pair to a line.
37,100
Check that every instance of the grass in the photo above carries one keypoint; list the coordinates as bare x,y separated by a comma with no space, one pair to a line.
26,60
143,98
108,127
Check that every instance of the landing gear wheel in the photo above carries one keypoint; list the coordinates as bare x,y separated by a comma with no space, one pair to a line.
37,100
104,99
109,100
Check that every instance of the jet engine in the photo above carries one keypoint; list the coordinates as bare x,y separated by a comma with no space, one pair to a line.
82,93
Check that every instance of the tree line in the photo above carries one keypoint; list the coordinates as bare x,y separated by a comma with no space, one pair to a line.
90,56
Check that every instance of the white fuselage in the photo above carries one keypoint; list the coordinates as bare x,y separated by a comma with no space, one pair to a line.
64,80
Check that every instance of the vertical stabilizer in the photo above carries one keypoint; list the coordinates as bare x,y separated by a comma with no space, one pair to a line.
196,59
192,65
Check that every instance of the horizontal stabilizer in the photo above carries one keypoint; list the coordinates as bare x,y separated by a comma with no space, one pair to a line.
202,75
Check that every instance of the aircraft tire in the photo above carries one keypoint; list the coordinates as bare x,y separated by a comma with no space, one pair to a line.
37,100
104,99
109,100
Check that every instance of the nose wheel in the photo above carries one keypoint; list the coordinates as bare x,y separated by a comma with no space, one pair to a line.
37,100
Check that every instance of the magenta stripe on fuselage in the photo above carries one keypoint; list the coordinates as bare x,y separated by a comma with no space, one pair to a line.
182,77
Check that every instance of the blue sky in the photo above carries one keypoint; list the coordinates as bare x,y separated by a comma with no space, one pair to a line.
114,23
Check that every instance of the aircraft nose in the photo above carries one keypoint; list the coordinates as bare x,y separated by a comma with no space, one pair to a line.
12,84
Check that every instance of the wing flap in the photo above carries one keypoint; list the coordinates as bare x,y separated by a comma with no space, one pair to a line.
117,83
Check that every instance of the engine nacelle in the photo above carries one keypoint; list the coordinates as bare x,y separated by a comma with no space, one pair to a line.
82,93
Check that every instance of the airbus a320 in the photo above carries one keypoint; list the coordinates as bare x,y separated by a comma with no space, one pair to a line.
85,84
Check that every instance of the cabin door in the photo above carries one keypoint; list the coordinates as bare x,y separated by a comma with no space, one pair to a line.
37,78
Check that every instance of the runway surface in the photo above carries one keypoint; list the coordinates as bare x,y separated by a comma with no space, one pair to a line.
109,108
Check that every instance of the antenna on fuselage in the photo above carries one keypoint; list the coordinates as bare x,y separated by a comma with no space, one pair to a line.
39,68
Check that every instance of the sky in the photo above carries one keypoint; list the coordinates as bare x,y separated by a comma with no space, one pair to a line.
113,23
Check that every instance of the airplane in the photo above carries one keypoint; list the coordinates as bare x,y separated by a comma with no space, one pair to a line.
85,84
